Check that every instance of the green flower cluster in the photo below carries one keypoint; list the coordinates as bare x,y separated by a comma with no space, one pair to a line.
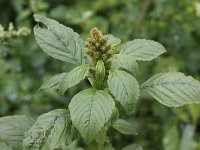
97,48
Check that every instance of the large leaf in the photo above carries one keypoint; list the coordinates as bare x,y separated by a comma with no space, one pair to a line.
141,49
124,127
59,41
173,89
53,82
126,62
73,77
12,129
90,110
124,87
50,131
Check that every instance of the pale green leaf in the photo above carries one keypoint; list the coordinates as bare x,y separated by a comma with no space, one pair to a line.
50,131
113,41
12,129
173,89
53,82
126,62
187,138
124,127
59,41
73,77
90,110
4,146
141,49
133,147
124,87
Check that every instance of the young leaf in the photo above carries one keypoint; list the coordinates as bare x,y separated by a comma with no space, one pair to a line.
124,127
126,62
73,77
53,82
100,73
133,147
59,41
90,110
51,130
12,129
112,40
173,89
141,49
124,87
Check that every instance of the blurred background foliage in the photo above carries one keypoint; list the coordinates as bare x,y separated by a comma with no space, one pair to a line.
174,23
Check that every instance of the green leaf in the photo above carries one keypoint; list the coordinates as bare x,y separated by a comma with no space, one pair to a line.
12,129
133,147
73,78
90,110
4,146
53,82
173,89
141,49
126,62
124,87
187,138
124,127
113,41
59,41
50,131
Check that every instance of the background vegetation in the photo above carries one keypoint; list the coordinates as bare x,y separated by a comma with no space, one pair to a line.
174,23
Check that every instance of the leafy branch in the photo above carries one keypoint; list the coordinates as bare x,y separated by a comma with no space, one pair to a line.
114,89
